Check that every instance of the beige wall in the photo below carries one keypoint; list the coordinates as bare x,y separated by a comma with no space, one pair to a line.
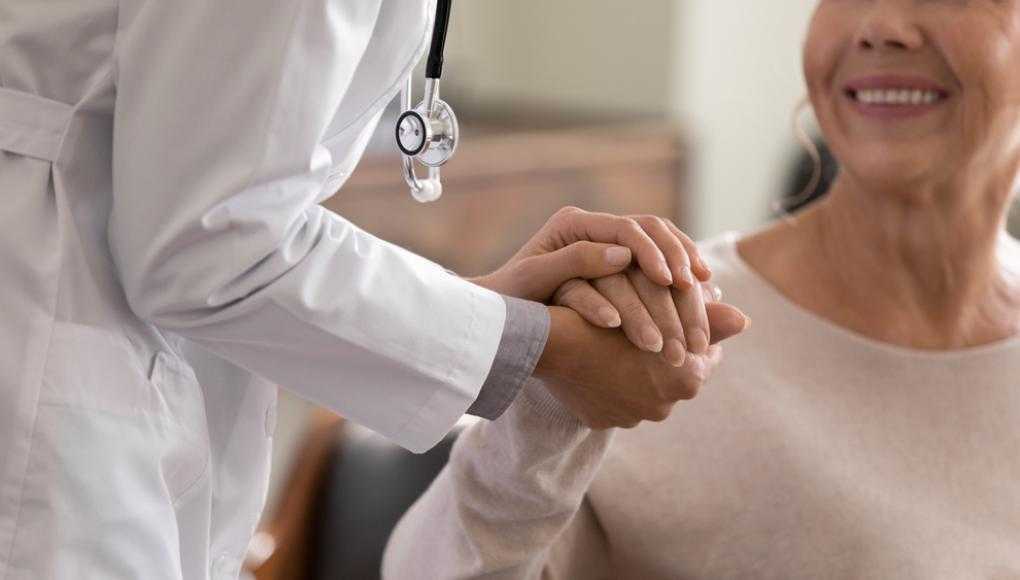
585,56
736,83
728,70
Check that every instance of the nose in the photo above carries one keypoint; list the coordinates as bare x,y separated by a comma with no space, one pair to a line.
889,26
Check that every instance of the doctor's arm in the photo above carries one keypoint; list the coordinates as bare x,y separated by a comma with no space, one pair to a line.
217,234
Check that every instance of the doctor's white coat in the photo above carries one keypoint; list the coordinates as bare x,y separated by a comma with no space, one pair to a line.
164,263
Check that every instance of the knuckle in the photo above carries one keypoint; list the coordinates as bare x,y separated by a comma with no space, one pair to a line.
568,292
633,309
631,225
660,413
691,390
677,231
611,283
681,388
653,222
691,387
586,252
568,212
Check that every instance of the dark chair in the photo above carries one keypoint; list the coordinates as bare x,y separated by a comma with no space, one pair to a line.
369,485
346,492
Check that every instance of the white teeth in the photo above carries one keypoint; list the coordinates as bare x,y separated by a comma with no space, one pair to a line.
897,97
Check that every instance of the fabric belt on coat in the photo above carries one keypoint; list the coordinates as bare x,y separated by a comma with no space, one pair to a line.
31,125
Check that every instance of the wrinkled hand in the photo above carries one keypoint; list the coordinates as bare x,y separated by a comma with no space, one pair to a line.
606,382
595,371
576,244
656,319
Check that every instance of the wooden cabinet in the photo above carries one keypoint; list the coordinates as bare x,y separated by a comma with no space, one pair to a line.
503,185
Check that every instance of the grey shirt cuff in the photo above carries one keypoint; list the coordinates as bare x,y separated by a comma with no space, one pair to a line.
524,337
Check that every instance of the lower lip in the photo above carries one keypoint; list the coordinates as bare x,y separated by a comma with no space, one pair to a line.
888,112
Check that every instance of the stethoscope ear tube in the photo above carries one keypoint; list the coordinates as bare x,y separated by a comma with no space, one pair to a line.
434,68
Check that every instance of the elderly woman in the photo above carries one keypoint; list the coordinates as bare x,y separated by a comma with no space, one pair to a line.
868,425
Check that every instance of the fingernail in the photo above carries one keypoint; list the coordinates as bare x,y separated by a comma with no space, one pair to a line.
747,323
651,338
618,256
697,341
716,293
704,266
610,317
674,352
664,270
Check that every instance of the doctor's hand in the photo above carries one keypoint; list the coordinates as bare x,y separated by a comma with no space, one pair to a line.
606,382
576,244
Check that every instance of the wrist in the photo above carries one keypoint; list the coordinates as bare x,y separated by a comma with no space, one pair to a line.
553,361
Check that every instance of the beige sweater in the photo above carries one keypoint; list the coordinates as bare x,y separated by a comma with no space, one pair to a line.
812,453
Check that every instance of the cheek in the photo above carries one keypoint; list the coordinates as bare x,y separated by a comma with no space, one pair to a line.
989,74
820,53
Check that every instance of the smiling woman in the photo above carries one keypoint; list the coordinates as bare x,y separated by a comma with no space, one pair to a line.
866,426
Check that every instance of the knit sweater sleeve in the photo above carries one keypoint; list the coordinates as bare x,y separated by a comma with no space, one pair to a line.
510,504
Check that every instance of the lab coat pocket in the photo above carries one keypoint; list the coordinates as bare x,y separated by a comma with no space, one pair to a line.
180,396
112,454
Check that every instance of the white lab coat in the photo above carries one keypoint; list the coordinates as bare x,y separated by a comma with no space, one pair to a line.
164,263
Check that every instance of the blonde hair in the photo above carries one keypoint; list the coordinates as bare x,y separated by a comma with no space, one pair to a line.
781,206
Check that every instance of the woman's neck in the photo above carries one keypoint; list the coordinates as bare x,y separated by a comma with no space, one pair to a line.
928,273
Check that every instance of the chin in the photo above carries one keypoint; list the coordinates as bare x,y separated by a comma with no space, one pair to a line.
902,171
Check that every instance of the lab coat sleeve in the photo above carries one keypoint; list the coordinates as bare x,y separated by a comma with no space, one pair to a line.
222,151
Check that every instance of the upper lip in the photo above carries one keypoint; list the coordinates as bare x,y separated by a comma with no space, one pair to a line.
896,81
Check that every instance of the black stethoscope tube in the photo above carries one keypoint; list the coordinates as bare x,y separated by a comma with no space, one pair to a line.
434,68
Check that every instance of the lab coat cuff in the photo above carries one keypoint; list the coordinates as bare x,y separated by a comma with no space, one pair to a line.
479,345
524,337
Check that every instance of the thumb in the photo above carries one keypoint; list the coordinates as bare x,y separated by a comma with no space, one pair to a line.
545,273
725,321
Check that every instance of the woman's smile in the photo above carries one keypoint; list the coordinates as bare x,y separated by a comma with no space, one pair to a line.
892,97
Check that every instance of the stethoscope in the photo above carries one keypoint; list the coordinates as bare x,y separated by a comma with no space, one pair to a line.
428,134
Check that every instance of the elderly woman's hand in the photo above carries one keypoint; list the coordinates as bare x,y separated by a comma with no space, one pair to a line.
576,244
657,319
671,320
605,382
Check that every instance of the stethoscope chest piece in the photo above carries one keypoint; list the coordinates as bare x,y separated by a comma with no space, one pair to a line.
428,134
429,137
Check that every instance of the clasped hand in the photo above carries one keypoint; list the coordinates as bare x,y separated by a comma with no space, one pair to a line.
635,321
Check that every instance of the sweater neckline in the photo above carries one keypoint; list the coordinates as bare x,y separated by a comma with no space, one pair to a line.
843,334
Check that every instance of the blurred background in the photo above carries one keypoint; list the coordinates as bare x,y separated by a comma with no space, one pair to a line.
680,108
